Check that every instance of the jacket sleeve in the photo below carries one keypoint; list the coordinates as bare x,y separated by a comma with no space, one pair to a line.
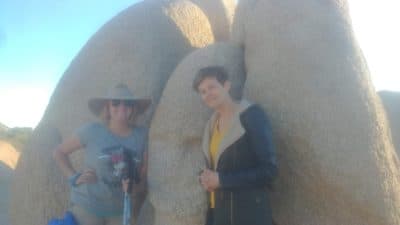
259,134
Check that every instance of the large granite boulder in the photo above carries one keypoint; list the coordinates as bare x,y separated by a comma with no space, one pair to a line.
391,102
38,191
175,155
337,164
141,46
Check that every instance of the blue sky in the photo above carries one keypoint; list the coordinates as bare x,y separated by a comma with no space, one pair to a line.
38,40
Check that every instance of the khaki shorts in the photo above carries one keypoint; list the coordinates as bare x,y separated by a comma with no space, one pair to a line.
85,218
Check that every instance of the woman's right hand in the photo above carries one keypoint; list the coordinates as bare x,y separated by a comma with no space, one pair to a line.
209,180
88,176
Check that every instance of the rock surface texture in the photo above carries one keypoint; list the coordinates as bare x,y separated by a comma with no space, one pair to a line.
220,14
391,102
337,164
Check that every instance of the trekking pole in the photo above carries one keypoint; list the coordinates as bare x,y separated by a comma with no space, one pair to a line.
127,209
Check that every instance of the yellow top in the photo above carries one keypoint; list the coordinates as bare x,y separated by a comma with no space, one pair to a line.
214,144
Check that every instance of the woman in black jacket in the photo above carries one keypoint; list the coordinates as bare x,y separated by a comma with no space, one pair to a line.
238,146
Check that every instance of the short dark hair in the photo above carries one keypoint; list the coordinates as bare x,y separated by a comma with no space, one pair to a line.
217,72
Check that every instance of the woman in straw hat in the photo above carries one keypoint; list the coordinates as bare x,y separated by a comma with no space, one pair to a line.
97,192
238,146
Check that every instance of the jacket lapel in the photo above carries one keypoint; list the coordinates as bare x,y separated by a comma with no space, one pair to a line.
232,134
207,137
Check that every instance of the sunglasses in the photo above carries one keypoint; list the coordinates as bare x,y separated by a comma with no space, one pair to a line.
127,103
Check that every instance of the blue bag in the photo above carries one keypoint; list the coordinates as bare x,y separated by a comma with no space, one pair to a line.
67,220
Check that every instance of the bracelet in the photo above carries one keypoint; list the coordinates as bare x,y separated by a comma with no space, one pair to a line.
72,179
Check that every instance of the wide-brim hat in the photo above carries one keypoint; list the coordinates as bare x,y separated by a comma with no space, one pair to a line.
121,92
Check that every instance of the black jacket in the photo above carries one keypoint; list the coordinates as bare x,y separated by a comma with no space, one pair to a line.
246,165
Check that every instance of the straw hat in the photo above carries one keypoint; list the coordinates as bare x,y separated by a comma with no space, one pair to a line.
118,92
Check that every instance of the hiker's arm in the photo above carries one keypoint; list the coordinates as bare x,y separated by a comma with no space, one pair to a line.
61,156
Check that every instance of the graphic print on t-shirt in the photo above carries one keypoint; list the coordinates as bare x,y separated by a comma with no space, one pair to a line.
114,164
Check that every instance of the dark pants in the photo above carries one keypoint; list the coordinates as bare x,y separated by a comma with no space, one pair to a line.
210,217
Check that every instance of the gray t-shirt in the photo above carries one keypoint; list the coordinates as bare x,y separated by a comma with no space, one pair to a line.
103,152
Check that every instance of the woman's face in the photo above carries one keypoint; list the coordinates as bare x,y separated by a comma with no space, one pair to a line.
213,93
120,110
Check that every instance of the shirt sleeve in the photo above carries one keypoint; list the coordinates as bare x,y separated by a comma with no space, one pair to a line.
84,133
